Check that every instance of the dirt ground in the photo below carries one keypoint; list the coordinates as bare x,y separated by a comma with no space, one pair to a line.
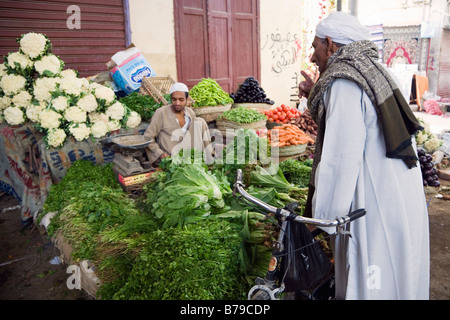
27,274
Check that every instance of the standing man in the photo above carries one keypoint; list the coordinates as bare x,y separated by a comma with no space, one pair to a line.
175,127
366,157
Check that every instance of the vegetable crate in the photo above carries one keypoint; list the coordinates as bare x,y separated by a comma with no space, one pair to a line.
157,87
132,184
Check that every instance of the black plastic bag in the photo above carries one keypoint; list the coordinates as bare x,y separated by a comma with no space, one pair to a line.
302,269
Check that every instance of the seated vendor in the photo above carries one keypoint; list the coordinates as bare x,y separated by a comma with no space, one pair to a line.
175,127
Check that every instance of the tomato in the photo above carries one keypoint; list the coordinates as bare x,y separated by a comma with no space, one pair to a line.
275,117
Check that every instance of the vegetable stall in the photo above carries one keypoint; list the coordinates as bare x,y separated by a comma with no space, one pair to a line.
172,232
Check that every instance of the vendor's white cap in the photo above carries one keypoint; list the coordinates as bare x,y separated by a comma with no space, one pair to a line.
179,87
342,28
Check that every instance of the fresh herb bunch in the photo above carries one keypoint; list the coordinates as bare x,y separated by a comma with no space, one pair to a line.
209,93
145,105
296,172
243,115
199,261
80,172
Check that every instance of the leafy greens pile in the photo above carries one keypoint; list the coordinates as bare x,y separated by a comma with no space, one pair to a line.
243,115
296,172
145,105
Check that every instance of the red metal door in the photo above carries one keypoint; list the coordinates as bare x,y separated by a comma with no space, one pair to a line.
246,57
87,49
217,39
191,41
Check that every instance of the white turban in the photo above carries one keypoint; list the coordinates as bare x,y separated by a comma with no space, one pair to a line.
342,28
179,87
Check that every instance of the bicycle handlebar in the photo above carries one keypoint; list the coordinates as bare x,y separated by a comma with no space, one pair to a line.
339,221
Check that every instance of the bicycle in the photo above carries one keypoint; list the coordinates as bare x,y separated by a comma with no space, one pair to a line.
273,286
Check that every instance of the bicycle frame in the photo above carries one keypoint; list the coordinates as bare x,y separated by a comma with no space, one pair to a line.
267,287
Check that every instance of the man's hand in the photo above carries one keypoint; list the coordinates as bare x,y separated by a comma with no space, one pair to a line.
164,155
305,86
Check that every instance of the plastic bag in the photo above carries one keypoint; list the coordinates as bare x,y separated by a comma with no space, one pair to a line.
305,268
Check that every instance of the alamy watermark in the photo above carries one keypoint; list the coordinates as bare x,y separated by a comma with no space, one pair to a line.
74,21
74,280
373,281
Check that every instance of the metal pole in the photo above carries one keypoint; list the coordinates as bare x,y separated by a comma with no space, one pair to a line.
353,7
339,5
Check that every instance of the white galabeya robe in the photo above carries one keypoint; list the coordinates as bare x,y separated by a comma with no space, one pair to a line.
387,255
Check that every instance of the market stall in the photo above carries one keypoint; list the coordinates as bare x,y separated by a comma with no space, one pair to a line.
184,235
49,118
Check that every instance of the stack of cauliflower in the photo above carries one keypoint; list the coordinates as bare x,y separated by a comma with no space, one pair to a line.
35,88
426,139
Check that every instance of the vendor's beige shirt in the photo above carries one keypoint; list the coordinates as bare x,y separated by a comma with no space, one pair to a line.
169,137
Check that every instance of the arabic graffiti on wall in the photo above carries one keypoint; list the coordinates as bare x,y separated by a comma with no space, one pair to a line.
284,49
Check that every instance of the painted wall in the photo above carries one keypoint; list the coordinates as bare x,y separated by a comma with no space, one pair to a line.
281,35
153,32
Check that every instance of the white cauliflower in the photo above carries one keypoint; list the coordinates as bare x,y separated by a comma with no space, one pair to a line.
93,86
421,137
34,44
105,93
88,103
33,111
2,70
49,65
22,99
5,102
43,88
55,137
114,125
20,59
60,103
98,116
432,144
14,116
85,86
75,114
79,131
71,85
49,119
12,84
116,111
68,73
134,119
99,129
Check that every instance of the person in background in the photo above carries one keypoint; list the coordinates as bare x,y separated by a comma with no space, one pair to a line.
365,157
175,127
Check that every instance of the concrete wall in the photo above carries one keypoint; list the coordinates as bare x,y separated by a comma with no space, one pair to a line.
153,32
281,35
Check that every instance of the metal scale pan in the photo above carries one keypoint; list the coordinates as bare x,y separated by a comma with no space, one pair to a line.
132,141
